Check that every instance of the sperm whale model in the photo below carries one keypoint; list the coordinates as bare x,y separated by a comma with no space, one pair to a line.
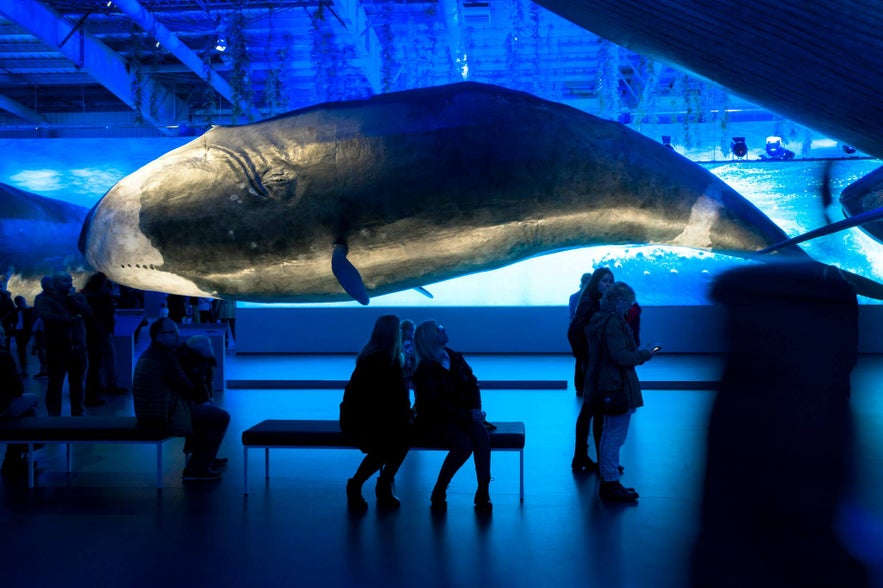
357,199
38,235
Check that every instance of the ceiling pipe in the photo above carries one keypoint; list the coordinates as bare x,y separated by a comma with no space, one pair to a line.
176,47
21,111
88,54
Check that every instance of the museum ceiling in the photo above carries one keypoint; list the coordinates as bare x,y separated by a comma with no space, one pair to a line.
165,63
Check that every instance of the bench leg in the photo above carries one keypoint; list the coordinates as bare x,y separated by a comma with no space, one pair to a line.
267,463
521,474
245,470
30,465
68,457
159,466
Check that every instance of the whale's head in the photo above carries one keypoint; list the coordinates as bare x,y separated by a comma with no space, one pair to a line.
169,225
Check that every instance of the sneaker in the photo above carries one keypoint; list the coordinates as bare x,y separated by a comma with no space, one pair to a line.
41,375
194,476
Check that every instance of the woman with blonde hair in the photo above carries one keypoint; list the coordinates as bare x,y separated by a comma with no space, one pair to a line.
375,414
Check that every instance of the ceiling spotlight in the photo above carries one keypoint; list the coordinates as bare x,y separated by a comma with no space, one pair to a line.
666,141
847,149
738,147
221,44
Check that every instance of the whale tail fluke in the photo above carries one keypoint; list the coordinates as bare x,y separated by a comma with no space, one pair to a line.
347,275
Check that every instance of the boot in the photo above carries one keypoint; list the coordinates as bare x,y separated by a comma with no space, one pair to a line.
438,499
583,463
354,500
383,492
483,498
615,492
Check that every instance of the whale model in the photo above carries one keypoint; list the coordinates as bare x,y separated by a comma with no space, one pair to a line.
38,236
362,198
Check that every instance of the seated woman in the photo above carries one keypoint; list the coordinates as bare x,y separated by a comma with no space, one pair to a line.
375,414
13,404
448,406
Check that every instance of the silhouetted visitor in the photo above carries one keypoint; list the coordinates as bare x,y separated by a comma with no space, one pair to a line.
448,407
573,302
612,385
22,331
63,311
166,399
226,313
779,434
101,373
14,404
375,414
588,305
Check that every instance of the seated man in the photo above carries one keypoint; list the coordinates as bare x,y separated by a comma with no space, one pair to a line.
166,399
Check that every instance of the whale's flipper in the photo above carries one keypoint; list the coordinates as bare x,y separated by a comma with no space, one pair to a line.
424,291
347,275
848,223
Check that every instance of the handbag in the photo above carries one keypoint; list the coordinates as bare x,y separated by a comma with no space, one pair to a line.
612,402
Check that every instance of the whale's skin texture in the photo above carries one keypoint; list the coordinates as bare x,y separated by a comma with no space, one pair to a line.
38,236
421,186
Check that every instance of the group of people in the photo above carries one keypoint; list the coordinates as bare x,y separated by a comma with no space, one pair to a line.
604,336
376,413
73,339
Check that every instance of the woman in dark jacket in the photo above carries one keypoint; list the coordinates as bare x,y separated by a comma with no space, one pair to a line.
448,407
376,414
614,355
588,305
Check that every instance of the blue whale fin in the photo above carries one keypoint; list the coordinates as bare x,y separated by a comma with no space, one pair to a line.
424,291
347,275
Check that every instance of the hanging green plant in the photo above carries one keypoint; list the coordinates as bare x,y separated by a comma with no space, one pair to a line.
240,61
607,80
137,70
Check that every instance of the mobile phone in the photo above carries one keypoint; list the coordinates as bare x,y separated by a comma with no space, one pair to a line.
656,348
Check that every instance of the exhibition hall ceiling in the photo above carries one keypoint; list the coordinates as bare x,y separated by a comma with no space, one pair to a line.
172,64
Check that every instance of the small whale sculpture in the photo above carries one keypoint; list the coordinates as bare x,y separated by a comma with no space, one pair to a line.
38,236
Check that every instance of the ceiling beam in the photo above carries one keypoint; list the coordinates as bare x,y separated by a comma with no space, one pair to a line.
145,19
363,38
21,111
94,57
450,10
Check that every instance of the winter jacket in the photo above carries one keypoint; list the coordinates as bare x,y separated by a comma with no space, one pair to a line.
613,356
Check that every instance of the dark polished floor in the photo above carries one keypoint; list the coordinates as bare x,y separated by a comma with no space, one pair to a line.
106,525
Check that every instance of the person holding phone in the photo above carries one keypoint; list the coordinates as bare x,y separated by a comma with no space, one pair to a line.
613,356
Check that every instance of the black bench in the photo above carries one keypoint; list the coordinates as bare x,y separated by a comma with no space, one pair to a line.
278,433
69,430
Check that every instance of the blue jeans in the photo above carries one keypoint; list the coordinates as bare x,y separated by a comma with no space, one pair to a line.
616,428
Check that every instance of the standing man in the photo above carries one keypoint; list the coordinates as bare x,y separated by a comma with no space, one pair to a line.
62,310
166,399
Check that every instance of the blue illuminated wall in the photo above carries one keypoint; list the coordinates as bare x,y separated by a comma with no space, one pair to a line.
81,170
